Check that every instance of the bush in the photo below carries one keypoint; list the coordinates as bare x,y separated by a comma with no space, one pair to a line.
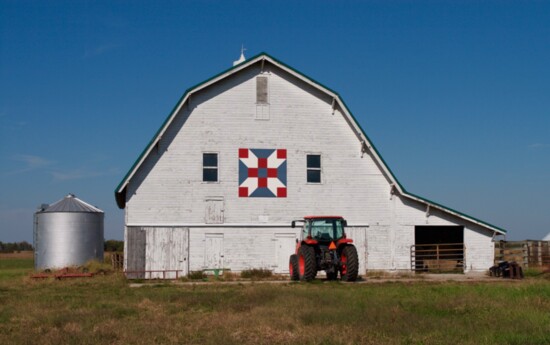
113,246
196,275
96,267
257,273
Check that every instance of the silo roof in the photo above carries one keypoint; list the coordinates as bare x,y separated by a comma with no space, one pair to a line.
71,203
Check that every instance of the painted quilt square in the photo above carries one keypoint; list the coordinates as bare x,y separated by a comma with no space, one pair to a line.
262,173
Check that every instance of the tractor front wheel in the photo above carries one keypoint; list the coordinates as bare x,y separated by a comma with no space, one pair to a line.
349,264
307,267
293,267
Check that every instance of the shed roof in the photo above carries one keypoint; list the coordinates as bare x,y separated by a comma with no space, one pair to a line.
71,203
262,58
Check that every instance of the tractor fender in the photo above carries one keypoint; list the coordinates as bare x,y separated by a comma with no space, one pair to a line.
344,241
308,242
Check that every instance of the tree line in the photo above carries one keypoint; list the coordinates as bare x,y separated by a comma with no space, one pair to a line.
11,247
113,246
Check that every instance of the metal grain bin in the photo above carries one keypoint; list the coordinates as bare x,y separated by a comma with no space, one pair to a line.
67,233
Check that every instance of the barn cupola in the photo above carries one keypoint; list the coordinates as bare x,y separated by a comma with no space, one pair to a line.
241,59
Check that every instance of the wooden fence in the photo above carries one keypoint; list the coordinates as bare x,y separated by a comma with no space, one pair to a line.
526,253
117,261
438,258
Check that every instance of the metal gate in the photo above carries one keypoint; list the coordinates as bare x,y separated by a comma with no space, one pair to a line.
438,258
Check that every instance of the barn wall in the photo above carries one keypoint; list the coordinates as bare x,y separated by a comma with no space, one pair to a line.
168,190
253,247
389,243
240,248
359,237
480,249
161,248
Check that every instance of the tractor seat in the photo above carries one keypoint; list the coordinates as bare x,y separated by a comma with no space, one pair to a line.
324,237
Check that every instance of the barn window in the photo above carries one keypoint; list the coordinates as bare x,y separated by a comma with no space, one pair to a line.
262,98
261,90
314,168
210,167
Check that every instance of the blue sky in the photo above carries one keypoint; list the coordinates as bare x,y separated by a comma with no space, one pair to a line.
455,95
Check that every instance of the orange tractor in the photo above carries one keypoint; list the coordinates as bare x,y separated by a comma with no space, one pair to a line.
323,246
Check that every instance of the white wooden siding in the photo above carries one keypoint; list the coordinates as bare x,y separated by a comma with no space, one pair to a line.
359,237
254,247
479,249
168,190
156,249
224,122
243,248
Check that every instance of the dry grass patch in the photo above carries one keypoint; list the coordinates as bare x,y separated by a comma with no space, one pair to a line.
257,273
106,310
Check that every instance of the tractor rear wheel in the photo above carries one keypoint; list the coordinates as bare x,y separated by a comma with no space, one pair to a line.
350,264
307,267
293,267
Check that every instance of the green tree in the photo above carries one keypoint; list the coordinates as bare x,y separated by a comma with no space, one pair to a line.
114,246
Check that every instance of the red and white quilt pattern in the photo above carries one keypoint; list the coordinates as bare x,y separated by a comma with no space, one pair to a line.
262,173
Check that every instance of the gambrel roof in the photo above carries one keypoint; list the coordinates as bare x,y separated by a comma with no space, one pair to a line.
262,58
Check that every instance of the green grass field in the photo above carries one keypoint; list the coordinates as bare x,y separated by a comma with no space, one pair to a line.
105,310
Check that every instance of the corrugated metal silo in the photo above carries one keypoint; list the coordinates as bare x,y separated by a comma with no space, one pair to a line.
67,233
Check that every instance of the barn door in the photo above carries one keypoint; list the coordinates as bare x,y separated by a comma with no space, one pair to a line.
285,243
213,251
166,252
134,258
359,237
214,210
179,246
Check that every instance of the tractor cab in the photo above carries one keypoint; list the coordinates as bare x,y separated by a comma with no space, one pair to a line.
324,229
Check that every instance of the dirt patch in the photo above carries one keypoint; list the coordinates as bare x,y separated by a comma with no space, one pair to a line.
26,254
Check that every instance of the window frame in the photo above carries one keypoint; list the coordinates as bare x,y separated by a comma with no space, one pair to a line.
262,107
266,102
211,167
320,168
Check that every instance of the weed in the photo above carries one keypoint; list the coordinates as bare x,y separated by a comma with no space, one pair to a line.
96,267
229,276
256,273
392,275
533,272
197,275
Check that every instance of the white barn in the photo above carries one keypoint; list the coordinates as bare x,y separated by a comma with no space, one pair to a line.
261,144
